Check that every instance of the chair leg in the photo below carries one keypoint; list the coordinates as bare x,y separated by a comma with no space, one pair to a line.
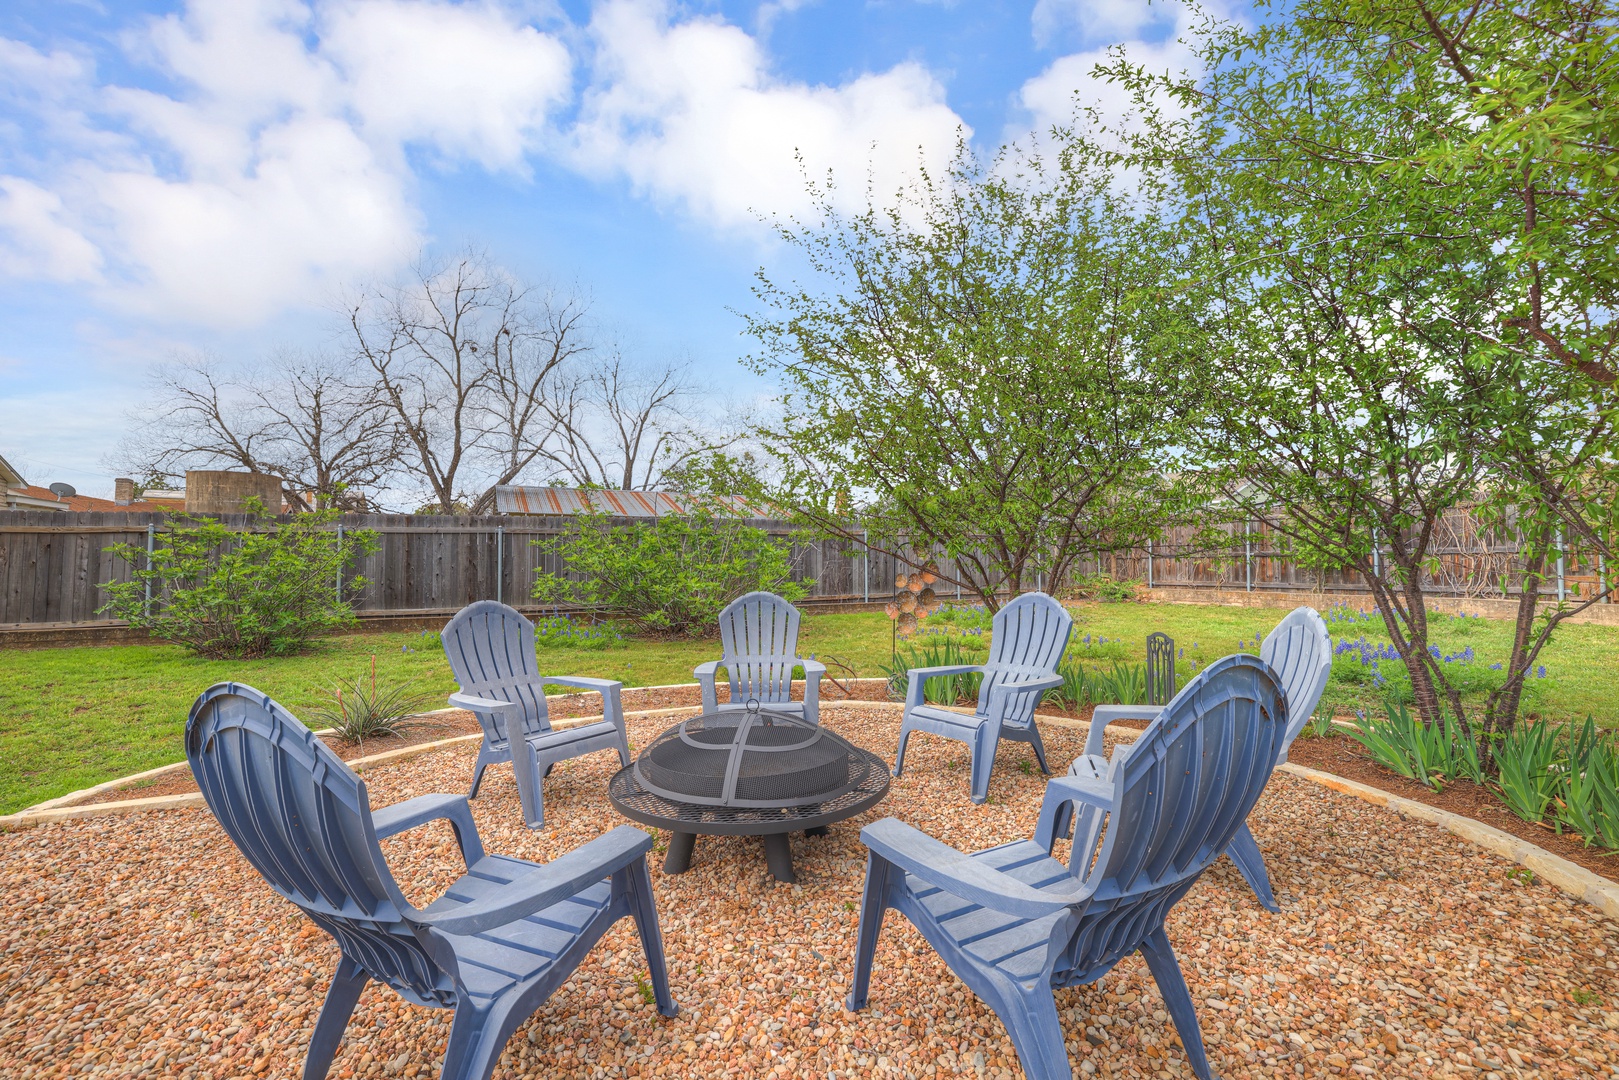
904,740
1244,851
985,742
477,773
873,903
1039,746
1166,972
341,998
526,769
1030,1016
637,883
477,1036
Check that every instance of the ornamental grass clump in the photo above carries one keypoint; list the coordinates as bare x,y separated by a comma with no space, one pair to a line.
939,650
1431,754
364,709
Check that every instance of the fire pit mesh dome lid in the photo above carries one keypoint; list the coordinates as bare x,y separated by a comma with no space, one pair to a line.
752,758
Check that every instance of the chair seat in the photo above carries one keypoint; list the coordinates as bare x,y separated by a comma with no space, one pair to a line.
547,740
1014,944
949,718
521,951
1089,767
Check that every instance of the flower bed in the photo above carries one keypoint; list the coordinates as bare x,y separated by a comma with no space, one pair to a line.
144,945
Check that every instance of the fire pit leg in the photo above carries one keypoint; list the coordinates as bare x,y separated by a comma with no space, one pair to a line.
779,857
678,861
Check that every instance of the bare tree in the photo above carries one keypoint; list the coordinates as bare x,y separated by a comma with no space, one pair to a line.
623,425
310,419
463,357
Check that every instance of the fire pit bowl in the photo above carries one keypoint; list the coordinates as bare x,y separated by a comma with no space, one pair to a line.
747,773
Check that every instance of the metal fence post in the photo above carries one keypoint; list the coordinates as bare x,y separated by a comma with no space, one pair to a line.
1602,576
151,542
1560,585
500,562
339,562
1149,564
1248,555
1377,560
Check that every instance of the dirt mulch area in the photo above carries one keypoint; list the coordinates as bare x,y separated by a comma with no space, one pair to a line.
144,946
1343,756
447,725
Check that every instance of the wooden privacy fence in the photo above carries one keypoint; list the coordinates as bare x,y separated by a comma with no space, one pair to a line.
1472,562
52,564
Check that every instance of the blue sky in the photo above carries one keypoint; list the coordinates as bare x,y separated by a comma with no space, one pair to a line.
207,175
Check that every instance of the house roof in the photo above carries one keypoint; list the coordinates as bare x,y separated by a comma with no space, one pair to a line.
31,497
520,499
9,476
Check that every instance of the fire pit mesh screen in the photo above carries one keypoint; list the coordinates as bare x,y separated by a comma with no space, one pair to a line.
751,758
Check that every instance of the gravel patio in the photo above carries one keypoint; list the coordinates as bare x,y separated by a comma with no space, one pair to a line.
143,945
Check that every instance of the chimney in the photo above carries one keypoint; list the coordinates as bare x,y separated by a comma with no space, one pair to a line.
123,491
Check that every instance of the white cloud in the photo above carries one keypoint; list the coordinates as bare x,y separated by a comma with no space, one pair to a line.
277,163
34,240
691,114
467,80
1108,20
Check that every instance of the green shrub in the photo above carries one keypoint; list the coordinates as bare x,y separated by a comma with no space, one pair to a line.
1589,800
267,590
1103,588
672,575
1427,754
1124,684
1530,769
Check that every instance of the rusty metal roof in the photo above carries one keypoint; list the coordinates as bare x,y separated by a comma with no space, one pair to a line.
519,499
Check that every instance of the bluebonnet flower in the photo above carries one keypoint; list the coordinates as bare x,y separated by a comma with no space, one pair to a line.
1495,667
1540,672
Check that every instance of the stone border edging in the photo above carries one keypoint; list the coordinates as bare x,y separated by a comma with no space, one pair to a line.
1569,877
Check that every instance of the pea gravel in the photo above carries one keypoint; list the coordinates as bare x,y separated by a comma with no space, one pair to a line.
144,946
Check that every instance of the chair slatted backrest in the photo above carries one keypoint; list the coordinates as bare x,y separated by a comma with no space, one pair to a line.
491,651
759,633
1027,637
303,819
1181,792
1299,650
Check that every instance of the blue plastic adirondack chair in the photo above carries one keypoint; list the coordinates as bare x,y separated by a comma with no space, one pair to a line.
1014,923
491,652
759,644
1028,637
1299,650
493,947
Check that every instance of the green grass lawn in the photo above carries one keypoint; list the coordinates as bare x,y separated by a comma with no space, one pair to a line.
73,717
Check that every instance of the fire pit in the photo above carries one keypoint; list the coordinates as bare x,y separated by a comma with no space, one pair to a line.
747,773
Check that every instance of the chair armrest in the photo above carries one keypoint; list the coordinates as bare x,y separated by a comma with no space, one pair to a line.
707,670
1010,688
917,678
1097,794
395,819
971,879
476,704
601,686
811,668
545,885
1106,714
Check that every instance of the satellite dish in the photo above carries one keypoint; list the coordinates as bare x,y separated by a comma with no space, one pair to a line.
63,491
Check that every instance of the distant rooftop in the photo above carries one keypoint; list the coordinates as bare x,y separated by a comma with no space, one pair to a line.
519,499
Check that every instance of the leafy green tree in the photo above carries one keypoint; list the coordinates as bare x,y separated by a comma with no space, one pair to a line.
1399,217
972,370
671,575
265,589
